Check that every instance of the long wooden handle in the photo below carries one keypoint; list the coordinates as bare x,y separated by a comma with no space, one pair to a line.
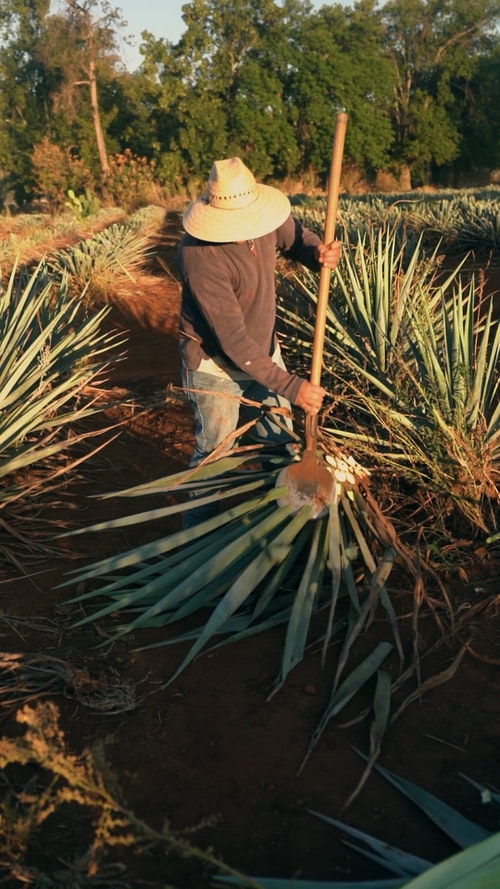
332,203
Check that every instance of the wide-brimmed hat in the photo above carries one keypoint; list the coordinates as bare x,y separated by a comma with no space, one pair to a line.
235,207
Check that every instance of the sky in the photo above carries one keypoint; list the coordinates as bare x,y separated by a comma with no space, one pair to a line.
162,18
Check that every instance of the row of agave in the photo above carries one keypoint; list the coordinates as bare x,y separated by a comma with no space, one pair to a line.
54,353
117,247
466,220
411,362
29,235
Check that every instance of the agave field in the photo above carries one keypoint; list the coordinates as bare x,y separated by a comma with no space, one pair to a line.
237,665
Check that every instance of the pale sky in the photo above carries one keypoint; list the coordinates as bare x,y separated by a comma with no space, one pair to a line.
163,18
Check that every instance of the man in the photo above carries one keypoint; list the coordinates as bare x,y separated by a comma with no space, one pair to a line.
228,345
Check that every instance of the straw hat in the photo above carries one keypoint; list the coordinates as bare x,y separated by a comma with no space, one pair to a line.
235,207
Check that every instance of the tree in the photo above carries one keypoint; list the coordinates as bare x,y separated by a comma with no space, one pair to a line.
24,90
258,78
44,62
93,39
339,64
478,119
273,78
431,45
202,89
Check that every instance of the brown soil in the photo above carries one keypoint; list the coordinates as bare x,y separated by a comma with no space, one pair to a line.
209,749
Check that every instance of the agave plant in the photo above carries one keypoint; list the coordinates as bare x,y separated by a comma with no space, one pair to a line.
476,866
50,354
117,249
265,562
261,562
414,358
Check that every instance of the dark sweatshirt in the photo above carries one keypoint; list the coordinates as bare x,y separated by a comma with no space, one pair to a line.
228,307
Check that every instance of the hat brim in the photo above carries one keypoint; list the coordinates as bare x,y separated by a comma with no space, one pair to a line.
265,214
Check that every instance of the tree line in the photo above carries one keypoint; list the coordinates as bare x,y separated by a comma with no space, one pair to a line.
418,78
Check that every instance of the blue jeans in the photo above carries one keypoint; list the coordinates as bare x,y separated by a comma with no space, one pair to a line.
216,418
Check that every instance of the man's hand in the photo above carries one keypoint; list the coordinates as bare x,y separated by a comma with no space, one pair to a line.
310,397
329,254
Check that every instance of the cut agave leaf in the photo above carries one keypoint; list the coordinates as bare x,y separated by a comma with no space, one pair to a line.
488,794
300,616
378,727
351,685
245,583
477,867
402,864
292,883
456,826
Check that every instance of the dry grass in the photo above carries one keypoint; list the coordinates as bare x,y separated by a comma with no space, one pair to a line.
28,677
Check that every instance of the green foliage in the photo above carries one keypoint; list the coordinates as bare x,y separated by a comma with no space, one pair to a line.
480,146
83,205
338,64
432,47
25,85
